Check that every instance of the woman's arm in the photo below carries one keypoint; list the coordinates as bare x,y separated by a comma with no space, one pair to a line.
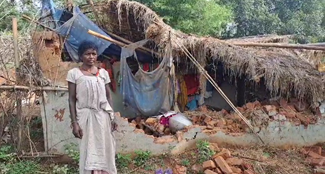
108,95
77,132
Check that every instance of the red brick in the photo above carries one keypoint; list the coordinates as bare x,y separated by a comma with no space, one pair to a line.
257,104
234,161
316,162
288,114
197,168
179,169
250,106
224,112
316,149
248,172
221,123
203,108
271,110
300,106
315,155
304,120
214,147
240,109
209,165
218,171
283,103
207,119
209,172
236,169
225,153
223,165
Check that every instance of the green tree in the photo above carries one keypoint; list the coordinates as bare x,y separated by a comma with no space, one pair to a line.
10,9
203,17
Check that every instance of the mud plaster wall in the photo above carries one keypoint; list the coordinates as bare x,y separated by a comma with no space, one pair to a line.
57,133
47,51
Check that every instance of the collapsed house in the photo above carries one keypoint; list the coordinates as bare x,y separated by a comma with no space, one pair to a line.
279,92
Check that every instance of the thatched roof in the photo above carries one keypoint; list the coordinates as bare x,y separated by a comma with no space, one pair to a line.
282,70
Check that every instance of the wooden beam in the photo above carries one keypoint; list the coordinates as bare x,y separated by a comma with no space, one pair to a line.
26,88
142,49
279,45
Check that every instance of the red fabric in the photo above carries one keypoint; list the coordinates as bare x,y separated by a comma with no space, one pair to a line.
111,75
192,83
146,67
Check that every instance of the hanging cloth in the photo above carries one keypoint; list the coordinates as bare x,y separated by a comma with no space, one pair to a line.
149,93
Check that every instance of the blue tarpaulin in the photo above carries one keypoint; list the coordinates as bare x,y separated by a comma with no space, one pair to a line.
76,28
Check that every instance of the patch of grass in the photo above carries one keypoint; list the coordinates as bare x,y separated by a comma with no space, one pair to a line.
73,152
141,157
205,153
123,161
186,162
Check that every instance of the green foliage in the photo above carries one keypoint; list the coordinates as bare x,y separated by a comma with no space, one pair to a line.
9,164
205,153
20,167
73,152
65,169
186,162
298,17
193,16
123,161
141,157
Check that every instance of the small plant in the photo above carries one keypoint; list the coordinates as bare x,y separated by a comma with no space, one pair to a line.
186,162
141,157
123,161
60,169
20,167
73,152
205,153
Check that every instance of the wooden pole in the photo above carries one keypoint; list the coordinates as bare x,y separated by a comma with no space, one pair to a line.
278,45
120,43
26,88
18,99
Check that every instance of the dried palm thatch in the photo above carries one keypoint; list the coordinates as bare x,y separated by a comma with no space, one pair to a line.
283,71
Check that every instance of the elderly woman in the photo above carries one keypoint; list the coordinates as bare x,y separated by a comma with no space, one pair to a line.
92,117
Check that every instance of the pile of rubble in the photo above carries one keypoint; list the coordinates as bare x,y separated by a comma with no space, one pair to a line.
224,163
315,156
259,115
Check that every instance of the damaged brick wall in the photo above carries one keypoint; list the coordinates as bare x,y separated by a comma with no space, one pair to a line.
47,51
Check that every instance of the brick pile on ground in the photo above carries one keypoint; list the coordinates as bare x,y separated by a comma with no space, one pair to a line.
315,156
224,163
244,160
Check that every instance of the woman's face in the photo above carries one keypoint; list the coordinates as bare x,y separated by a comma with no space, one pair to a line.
89,57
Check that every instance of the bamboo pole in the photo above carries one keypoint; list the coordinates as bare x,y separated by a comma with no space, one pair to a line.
18,99
26,88
36,22
120,43
278,45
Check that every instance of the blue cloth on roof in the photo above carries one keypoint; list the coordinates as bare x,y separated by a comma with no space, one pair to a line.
76,29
